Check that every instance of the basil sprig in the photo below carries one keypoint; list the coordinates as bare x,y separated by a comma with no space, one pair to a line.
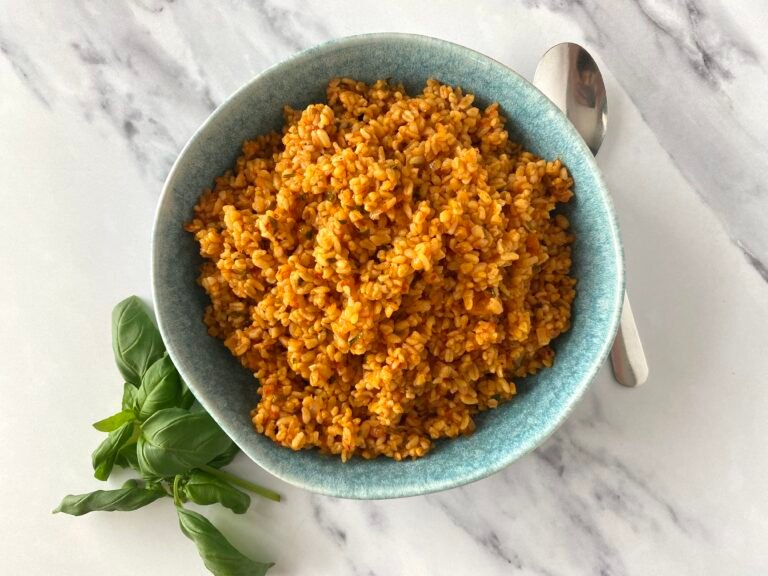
171,442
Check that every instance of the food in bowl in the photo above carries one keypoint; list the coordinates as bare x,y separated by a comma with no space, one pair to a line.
386,267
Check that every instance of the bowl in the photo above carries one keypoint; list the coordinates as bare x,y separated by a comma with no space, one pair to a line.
228,391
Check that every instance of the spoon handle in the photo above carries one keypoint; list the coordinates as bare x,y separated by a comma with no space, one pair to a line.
630,367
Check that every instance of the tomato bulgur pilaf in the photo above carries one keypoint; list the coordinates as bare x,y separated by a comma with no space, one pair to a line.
386,267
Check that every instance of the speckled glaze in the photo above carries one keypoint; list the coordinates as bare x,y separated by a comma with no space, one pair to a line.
228,391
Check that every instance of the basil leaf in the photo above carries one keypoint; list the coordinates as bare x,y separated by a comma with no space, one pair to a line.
174,440
160,388
196,407
104,456
115,421
225,457
135,339
129,396
219,556
130,497
187,398
205,489
127,457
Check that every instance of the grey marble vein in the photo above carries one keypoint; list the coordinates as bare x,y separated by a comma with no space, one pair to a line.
458,509
326,514
759,265
26,69
711,49
616,487
336,533
376,518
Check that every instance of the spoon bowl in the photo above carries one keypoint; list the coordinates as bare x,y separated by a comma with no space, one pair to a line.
569,76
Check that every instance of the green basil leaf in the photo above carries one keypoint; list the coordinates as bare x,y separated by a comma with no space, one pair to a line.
129,396
173,441
115,421
135,339
187,398
219,556
127,457
160,388
105,455
205,489
225,457
196,407
130,497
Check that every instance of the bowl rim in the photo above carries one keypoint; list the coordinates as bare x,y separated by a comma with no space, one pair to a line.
588,375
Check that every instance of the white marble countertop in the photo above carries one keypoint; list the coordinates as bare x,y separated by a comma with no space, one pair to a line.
96,100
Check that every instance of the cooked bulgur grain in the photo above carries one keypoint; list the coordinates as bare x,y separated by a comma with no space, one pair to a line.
386,267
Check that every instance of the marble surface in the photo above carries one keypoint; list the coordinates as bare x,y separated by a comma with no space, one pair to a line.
97,98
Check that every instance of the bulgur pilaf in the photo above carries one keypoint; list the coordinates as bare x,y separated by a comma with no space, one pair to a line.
387,266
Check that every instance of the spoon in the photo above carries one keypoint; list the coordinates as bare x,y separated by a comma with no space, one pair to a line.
569,76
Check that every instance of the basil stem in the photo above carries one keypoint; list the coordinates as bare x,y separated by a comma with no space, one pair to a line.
237,481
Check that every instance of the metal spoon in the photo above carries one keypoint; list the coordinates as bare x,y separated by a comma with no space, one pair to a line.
569,76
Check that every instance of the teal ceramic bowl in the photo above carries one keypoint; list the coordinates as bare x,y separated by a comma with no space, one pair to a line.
228,391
